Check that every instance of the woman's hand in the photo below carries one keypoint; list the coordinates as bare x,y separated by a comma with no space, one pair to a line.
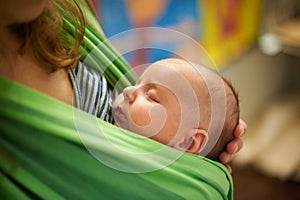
234,145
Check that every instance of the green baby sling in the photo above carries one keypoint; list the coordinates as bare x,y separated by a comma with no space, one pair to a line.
50,150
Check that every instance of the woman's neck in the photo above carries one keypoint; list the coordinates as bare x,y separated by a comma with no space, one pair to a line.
9,54
26,70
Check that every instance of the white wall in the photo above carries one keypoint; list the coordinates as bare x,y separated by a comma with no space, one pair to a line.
257,78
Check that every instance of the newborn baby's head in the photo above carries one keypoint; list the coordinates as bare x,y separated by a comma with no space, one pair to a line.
175,102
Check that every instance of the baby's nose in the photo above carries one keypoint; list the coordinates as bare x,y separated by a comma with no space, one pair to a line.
128,93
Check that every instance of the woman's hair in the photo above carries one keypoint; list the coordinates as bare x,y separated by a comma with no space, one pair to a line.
46,38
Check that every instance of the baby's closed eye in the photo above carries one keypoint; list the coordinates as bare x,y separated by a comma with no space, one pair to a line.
152,95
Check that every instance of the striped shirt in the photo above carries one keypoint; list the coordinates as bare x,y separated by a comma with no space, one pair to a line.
91,92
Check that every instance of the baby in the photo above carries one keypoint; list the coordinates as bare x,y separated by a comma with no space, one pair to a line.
181,104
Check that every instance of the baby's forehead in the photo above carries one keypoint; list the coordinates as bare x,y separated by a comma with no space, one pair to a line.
183,74
163,75
172,68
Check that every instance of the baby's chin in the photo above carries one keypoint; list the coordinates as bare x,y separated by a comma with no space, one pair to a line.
121,124
117,123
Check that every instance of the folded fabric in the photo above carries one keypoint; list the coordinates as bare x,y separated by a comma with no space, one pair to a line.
50,150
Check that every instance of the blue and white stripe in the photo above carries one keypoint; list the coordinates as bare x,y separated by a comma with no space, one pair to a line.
91,92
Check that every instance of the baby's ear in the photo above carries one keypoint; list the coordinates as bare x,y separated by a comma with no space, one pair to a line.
195,141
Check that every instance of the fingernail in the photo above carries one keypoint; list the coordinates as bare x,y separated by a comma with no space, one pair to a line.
243,132
235,150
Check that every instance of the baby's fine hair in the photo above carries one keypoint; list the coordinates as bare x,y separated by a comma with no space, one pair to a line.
231,120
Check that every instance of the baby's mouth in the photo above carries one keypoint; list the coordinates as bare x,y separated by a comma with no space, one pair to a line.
119,116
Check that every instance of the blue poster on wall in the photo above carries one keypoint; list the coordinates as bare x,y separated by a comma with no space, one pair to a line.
123,21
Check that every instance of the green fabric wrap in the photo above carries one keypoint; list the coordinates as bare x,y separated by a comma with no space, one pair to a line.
42,155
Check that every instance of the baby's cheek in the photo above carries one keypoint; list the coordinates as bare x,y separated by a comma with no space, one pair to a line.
140,116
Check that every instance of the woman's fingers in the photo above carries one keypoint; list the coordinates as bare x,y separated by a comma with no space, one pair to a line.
241,129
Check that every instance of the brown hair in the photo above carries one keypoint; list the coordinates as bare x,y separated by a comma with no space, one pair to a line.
46,38
230,123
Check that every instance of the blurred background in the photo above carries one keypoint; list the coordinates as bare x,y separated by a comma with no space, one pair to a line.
256,45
